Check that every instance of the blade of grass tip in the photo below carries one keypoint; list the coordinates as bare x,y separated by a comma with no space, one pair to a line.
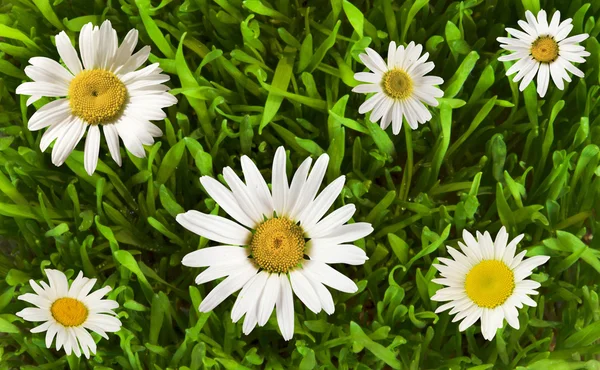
408,167
443,143
548,140
188,80
281,80
414,9
152,29
355,16
48,13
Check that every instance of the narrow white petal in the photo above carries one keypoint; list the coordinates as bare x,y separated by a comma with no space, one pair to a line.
53,113
344,253
112,140
257,186
330,276
224,197
304,291
345,234
249,295
311,187
335,219
67,52
315,210
279,181
92,148
215,228
230,285
267,301
543,78
285,308
215,256
67,141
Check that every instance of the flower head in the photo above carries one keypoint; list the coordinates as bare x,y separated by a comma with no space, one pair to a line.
487,282
543,49
106,90
263,251
400,86
69,312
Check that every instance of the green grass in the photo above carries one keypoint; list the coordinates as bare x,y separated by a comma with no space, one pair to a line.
254,75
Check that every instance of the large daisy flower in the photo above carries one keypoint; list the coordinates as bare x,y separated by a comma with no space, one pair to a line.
400,86
545,50
105,91
263,252
487,282
69,312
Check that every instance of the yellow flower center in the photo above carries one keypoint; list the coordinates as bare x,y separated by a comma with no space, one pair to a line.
69,311
544,49
97,96
277,245
490,283
397,84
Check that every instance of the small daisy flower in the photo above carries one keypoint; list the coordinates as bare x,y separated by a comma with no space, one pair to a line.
69,312
486,282
107,91
263,251
545,50
400,86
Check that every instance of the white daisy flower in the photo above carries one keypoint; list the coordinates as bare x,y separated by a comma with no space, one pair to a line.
263,252
69,312
105,91
545,50
487,282
400,86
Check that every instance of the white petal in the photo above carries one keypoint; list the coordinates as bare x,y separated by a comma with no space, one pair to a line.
304,291
223,267
509,254
367,88
48,89
325,298
88,45
543,78
124,51
58,282
310,189
573,39
529,77
315,210
257,186
112,140
279,181
224,197
511,315
500,243
53,113
243,195
219,256
285,308
267,301
344,253
130,139
296,186
345,233
92,148
373,61
249,295
67,52
335,219
69,138
230,285
370,103
215,228
373,78
330,277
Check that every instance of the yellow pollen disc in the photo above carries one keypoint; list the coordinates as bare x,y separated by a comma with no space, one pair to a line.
97,96
397,84
544,49
278,245
69,311
490,283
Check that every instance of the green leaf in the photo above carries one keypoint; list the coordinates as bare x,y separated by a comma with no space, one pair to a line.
281,81
379,351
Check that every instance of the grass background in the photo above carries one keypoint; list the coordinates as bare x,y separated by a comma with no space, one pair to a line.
253,75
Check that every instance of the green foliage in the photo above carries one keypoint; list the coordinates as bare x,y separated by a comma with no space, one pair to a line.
253,75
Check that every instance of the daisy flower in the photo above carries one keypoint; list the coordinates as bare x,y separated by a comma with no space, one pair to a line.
263,251
106,90
69,312
400,86
543,49
486,282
